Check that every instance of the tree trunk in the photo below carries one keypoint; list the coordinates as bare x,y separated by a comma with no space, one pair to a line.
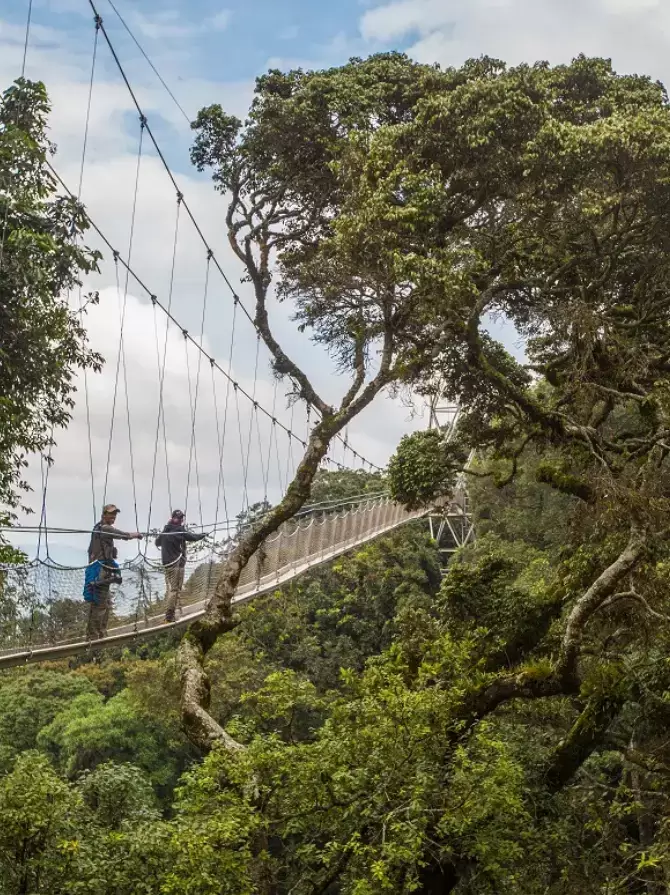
203,731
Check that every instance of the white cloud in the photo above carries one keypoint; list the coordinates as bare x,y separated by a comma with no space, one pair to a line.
634,33
289,33
394,20
221,20
165,24
63,62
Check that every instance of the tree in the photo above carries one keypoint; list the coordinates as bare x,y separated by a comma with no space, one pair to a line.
40,816
30,700
283,190
42,339
89,732
118,795
403,204
577,260
345,484
530,693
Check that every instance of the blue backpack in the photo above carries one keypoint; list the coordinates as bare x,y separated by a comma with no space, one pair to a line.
92,576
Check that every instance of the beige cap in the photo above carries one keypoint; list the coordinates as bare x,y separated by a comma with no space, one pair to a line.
110,509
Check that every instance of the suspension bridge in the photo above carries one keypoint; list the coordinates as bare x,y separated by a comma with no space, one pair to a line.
214,435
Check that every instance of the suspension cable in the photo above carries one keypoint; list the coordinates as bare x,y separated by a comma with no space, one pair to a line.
81,305
221,436
194,451
172,319
289,455
320,506
273,435
170,174
25,45
152,66
121,354
127,397
245,461
253,411
160,417
195,400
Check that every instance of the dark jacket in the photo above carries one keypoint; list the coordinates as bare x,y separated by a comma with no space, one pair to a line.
102,542
173,542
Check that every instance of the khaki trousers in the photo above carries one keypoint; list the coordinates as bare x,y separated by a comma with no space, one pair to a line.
174,581
98,612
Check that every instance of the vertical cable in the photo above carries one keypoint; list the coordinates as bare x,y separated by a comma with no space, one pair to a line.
25,45
254,404
127,400
121,355
221,435
195,400
161,373
245,462
289,456
81,306
273,435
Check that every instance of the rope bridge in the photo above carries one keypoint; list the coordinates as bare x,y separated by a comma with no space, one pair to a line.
48,617
251,428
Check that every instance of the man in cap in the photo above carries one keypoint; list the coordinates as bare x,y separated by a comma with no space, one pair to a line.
102,551
172,542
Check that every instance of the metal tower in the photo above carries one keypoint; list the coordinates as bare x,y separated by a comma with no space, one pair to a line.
453,527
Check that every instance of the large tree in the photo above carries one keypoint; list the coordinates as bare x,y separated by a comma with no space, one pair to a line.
283,193
42,339
400,206
578,261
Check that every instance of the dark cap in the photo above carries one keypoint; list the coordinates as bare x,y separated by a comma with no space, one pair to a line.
177,514
110,508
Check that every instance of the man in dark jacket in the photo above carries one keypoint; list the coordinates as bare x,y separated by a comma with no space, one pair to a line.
172,542
101,550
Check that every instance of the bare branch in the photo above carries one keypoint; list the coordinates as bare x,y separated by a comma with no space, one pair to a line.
359,372
198,724
638,598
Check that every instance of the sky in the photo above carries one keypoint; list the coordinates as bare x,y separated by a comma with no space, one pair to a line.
207,52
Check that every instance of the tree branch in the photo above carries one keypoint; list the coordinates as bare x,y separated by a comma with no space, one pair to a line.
638,598
359,372
585,735
198,724
282,362
602,588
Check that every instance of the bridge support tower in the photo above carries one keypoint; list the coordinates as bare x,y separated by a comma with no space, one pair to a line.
452,527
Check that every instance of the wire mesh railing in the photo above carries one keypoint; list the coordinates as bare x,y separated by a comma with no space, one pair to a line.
43,614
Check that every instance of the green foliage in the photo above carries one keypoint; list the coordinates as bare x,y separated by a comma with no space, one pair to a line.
90,732
30,700
338,616
507,590
511,512
330,486
40,817
424,468
402,734
42,341
118,795
215,829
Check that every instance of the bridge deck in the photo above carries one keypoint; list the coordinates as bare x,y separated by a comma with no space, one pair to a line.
297,547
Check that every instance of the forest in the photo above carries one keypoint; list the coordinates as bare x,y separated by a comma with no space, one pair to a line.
385,724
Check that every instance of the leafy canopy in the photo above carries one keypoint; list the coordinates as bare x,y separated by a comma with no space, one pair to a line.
42,339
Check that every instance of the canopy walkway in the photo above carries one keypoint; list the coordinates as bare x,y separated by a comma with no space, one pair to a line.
50,617
218,436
